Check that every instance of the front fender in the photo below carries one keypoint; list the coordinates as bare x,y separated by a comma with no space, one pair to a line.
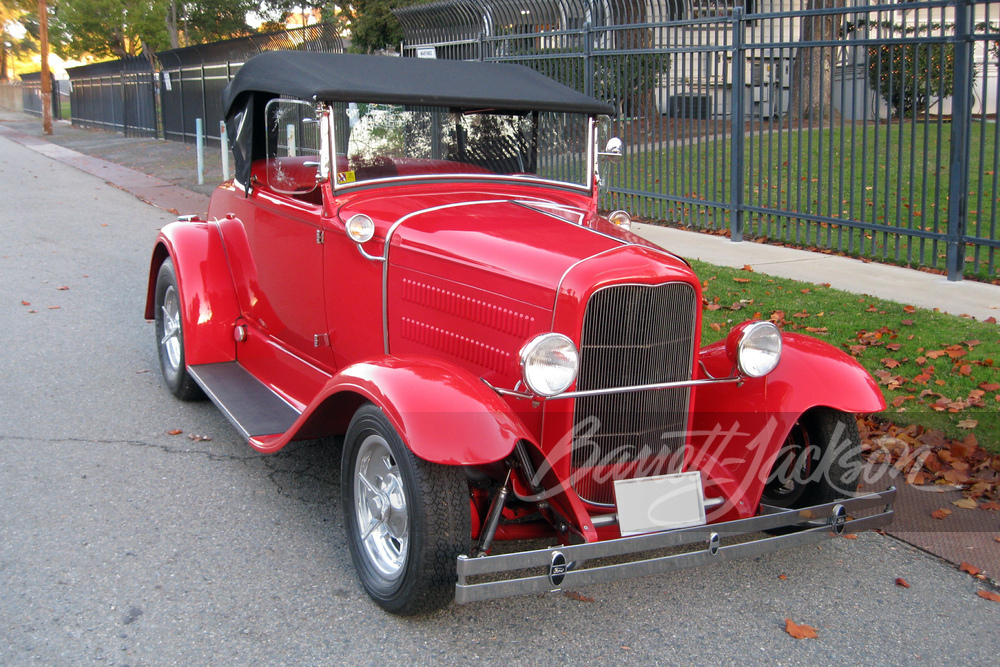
208,297
737,430
442,413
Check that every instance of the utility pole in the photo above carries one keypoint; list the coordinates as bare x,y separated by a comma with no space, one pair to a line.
43,37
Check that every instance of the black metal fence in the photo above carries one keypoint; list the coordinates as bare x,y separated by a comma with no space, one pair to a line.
163,95
119,95
31,91
867,129
192,78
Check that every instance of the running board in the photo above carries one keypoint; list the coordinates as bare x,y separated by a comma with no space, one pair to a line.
250,406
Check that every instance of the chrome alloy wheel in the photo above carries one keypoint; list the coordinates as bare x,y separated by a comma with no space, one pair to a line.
380,506
171,340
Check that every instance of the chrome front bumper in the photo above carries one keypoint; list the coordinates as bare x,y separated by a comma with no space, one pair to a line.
564,566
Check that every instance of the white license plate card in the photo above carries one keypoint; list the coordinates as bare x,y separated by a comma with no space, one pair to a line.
665,502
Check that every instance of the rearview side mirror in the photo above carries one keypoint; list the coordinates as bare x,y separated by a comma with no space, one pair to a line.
614,151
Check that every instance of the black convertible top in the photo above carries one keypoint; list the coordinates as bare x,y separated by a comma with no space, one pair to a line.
342,77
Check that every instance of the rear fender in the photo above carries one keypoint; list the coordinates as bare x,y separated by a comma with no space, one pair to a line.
208,298
444,414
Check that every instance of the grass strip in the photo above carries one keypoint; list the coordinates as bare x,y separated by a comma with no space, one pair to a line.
935,370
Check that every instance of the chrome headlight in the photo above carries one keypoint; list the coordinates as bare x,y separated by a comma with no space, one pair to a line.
549,363
755,348
360,228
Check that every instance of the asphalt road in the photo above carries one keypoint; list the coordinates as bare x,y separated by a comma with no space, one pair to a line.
121,544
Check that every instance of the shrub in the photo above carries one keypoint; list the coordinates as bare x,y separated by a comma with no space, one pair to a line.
907,76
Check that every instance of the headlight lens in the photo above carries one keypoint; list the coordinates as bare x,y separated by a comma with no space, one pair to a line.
755,348
549,363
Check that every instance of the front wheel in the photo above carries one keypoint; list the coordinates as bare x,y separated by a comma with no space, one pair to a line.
407,520
820,461
169,328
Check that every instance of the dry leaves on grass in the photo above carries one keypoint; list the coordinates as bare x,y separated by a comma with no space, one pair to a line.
799,631
926,457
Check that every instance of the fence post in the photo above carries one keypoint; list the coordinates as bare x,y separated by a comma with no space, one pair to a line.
200,149
961,111
588,59
736,124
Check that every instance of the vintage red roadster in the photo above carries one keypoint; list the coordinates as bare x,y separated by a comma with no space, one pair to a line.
411,256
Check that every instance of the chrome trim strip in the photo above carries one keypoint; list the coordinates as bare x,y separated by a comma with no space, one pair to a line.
709,535
374,258
566,273
615,390
528,206
385,256
458,176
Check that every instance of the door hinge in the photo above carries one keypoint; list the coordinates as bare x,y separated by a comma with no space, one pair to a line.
321,340
319,236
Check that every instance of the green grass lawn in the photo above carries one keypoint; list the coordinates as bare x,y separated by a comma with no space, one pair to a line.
894,174
937,370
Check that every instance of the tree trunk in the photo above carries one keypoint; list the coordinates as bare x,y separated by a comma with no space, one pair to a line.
3,61
811,93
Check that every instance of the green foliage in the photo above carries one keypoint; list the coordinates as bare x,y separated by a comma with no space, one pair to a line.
907,76
119,28
373,26
214,20
109,28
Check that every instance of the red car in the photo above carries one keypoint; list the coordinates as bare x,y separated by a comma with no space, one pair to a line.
411,256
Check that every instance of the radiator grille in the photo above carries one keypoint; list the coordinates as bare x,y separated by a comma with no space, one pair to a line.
632,335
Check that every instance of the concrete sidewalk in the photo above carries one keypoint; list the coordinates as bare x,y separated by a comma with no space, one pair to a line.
973,543
895,283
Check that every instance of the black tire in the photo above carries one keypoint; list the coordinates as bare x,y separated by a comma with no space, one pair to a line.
407,520
169,325
819,462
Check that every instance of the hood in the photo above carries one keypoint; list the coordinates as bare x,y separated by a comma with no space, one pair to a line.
518,247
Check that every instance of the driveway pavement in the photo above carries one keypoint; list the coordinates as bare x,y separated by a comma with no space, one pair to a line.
121,544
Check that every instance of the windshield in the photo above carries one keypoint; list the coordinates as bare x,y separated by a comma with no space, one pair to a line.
378,141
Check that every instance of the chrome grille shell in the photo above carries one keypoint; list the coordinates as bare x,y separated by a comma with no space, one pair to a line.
632,334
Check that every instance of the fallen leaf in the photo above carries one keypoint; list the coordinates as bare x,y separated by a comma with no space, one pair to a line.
909,310
965,503
54,307
579,597
970,568
801,631
62,288
902,582
941,513
907,323
715,326
785,576
175,431
990,320
25,303
967,423
988,595
199,438
985,386
741,280
747,267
